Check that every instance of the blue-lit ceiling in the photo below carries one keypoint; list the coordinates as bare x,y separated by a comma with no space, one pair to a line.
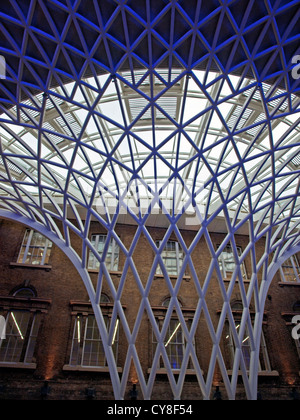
47,42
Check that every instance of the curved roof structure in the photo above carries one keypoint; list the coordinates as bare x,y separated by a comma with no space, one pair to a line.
183,114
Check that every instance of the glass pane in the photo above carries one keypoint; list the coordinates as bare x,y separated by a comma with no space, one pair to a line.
112,254
246,350
227,262
93,351
26,292
16,330
74,358
48,253
291,270
172,259
38,240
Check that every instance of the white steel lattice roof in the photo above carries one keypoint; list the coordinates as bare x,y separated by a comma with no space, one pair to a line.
204,138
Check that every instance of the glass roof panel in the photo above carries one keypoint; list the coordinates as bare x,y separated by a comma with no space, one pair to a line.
148,126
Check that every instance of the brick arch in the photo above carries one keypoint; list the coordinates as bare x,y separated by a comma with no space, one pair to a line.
238,45
273,269
84,275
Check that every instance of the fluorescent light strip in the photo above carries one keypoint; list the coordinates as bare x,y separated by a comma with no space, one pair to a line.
170,339
115,332
18,328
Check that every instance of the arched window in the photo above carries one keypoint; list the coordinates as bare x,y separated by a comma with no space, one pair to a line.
104,298
296,306
246,345
290,270
166,302
25,292
35,249
87,351
172,256
174,339
22,328
237,306
23,319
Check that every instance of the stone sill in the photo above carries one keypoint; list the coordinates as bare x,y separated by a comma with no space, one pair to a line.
69,368
163,371
289,284
228,280
33,266
19,365
112,273
266,374
172,277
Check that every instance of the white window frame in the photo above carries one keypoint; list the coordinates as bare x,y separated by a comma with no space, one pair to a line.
263,349
178,256
29,247
93,262
81,345
223,262
174,342
297,342
15,337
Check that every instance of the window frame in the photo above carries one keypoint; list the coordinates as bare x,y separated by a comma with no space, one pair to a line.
85,344
175,348
178,257
222,263
160,315
36,308
24,353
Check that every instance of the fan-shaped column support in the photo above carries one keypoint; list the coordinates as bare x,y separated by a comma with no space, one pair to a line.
273,269
83,273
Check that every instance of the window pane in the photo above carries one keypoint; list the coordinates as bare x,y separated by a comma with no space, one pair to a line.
264,364
32,339
16,330
87,350
93,351
25,292
172,257
290,270
112,254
